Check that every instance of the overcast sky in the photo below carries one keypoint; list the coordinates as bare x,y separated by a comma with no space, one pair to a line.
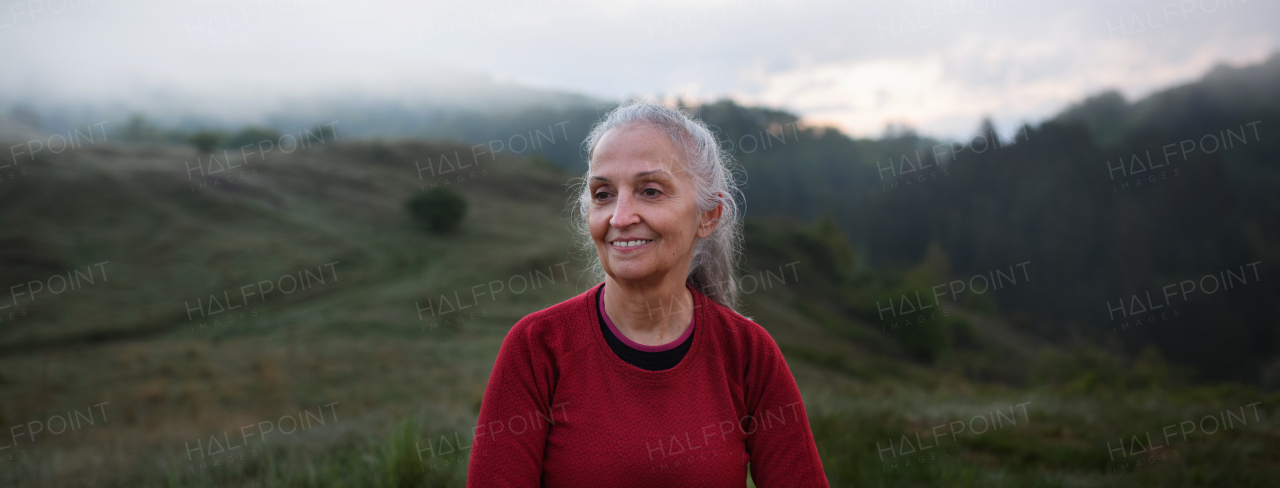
937,65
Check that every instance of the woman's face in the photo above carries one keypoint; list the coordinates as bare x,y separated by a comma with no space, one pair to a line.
643,215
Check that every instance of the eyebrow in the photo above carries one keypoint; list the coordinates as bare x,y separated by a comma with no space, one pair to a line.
639,175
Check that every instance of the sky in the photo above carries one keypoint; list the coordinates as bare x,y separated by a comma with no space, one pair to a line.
939,66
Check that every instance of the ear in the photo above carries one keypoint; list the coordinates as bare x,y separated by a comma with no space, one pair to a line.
710,219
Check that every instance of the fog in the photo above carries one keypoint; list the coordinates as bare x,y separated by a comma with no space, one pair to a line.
935,65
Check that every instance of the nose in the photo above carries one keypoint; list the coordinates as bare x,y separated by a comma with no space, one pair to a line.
624,213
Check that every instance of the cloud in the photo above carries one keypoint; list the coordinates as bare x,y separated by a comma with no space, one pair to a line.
937,64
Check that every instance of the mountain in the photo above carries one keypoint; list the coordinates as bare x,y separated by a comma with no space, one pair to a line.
432,109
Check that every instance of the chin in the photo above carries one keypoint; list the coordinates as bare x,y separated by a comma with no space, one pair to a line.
630,271
627,273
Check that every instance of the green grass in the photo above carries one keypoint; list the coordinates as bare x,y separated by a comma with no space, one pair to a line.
400,383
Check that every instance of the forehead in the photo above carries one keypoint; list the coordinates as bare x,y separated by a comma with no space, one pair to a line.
639,147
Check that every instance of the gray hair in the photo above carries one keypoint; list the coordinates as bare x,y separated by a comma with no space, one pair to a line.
712,269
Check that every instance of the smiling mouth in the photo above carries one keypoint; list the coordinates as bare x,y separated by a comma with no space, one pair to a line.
630,244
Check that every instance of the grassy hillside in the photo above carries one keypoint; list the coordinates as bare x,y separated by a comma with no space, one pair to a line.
165,375
1111,198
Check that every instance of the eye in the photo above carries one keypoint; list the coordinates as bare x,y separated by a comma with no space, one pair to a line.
600,195
651,192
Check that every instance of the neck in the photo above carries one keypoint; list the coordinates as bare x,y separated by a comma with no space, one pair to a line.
649,315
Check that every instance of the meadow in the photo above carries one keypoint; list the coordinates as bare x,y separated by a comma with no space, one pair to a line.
178,351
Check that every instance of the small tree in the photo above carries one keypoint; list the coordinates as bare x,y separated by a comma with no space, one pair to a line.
441,209
205,141
251,136
139,129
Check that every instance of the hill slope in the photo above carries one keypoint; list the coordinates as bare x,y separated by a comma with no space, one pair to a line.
394,379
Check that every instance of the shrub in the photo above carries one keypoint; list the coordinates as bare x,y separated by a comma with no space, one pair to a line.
206,141
441,209
252,136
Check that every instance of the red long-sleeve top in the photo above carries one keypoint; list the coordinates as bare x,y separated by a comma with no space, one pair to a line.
563,410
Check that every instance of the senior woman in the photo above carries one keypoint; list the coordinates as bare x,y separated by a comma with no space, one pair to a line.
649,378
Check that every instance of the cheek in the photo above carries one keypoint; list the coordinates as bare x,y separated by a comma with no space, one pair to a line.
691,217
598,224
670,223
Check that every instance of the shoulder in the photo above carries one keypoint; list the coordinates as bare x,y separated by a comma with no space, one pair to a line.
731,321
750,356
738,335
552,328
